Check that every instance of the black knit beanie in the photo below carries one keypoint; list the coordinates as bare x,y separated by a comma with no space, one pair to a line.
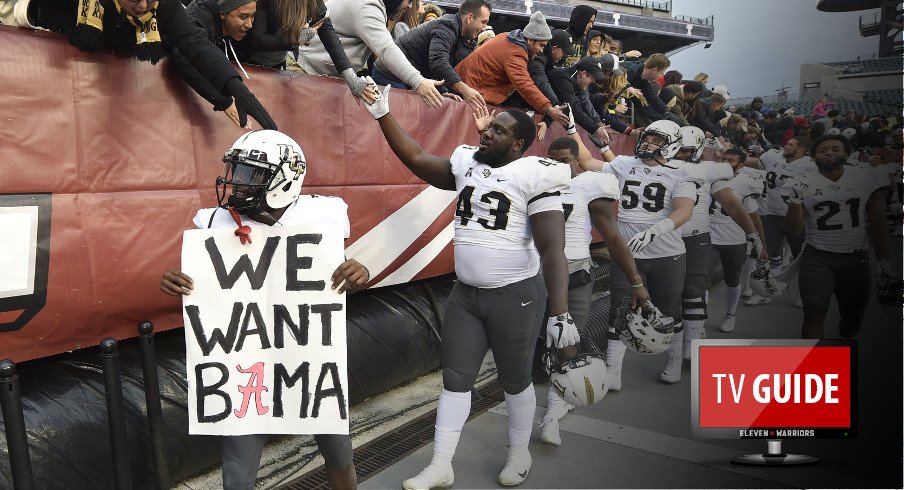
391,6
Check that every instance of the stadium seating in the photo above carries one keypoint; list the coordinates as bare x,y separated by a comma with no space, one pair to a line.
894,63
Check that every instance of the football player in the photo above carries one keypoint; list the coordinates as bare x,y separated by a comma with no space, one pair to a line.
588,201
835,205
656,199
729,240
265,170
780,165
509,209
712,182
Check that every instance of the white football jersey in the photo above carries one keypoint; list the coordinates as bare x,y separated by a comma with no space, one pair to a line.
703,175
493,243
748,188
576,198
646,199
885,170
778,171
306,210
835,212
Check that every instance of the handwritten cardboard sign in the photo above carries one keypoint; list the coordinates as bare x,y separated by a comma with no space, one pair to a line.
264,333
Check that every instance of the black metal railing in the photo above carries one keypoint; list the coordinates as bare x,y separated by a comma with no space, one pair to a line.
708,21
561,12
14,420
14,425
660,6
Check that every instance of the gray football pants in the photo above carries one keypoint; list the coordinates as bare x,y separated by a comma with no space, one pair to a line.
507,319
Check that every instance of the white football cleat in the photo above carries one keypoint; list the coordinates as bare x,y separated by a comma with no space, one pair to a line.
436,475
549,432
672,372
516,467
747,292
728,324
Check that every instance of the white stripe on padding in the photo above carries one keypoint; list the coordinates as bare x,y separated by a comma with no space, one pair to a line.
421,259
380,246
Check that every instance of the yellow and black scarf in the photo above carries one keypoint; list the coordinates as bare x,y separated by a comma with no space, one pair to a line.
89,30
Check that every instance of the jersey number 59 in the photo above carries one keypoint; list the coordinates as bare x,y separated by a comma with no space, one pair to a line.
654,194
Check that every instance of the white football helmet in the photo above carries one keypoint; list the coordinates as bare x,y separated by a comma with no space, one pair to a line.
267,166
581,380
668,131
644,330
764,283
692,138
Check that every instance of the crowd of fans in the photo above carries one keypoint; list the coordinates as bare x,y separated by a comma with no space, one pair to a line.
578,75
414,45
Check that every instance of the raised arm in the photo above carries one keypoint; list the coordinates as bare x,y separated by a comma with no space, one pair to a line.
585,158
431,169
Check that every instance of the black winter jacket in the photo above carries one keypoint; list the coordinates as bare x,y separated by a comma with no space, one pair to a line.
657,109
435,48
539,68
566,88
176,30
204,14
269,48
704,118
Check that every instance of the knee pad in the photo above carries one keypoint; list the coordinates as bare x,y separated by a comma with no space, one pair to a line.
336,449
695,286
693,308
455,380
732,280
514,386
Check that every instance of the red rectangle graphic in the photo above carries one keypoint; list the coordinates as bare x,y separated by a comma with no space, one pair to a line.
775,387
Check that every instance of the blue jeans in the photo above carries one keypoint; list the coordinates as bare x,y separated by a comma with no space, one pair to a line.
382,79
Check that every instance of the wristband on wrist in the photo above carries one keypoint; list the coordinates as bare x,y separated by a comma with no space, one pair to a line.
636,286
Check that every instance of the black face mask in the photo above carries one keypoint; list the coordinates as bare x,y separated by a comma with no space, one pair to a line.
251,181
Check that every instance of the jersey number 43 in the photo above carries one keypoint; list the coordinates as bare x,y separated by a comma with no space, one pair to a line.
499,212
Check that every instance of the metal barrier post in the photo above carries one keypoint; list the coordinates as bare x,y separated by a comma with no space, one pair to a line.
14,426
152,400
115,416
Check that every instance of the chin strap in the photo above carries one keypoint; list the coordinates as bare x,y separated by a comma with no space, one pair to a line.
243,231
